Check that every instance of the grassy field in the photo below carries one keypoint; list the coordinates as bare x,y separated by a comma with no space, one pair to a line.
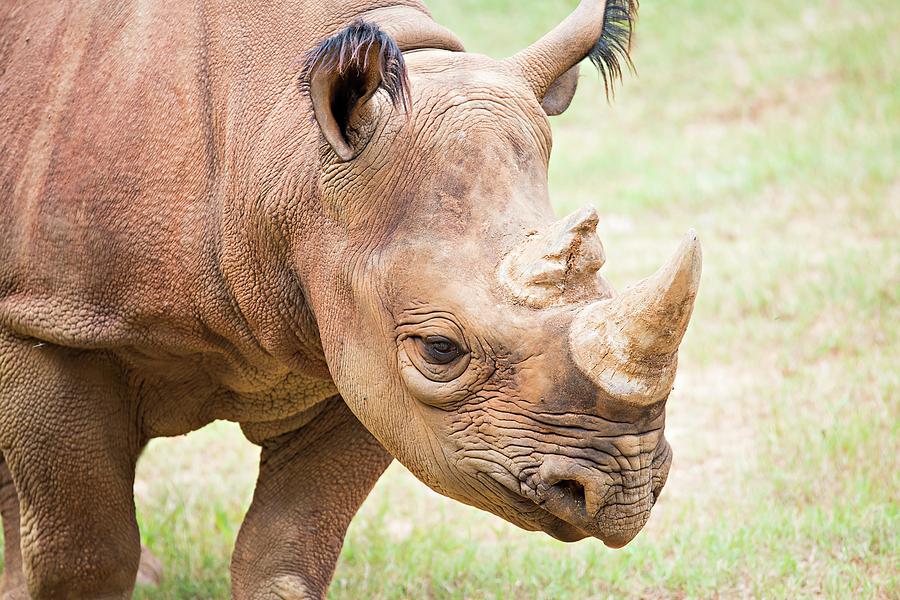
774,129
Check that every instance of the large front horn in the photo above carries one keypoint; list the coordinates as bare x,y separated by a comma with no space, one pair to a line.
628,345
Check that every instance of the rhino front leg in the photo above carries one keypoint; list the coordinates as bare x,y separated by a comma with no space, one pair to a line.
70,441
311,483
13,585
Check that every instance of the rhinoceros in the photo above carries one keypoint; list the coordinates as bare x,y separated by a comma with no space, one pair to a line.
329,223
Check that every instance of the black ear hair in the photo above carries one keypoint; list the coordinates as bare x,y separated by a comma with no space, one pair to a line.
608,53
615,41
344,71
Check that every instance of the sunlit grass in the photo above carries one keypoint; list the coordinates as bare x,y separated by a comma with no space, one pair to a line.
774,129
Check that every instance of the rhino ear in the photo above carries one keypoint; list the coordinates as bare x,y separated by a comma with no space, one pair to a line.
598,29
344,72
560,93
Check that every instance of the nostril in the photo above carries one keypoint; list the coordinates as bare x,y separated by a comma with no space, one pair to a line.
582,488
574,490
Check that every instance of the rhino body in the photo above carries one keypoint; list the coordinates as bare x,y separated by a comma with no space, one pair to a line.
328,223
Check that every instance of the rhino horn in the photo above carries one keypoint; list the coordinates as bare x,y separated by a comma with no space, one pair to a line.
628,345
557,263
569,43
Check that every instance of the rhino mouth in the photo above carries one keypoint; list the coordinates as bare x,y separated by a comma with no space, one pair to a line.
615,524
571,498
563,530
561,511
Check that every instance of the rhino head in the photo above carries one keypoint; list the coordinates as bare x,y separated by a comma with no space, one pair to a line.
466,327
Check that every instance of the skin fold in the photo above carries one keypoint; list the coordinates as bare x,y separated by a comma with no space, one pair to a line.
332,226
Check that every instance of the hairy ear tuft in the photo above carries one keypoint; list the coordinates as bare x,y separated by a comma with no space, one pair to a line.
344,71
614,44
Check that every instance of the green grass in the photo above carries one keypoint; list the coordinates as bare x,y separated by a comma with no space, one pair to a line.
774,129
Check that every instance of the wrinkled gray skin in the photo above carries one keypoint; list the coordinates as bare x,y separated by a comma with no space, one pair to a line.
187,234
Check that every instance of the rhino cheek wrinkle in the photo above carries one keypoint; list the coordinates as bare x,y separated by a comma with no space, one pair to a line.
329,223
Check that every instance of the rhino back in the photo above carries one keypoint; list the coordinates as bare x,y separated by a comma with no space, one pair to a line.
105,170
129,128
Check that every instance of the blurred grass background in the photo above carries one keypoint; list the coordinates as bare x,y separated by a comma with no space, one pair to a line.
774,129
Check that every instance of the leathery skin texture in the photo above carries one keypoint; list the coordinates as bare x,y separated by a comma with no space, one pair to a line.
330,225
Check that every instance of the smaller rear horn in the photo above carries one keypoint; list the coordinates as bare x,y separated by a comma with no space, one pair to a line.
559,264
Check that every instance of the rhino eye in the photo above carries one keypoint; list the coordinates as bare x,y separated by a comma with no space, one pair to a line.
439,350
436,357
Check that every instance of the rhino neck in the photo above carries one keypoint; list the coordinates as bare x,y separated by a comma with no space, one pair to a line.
266,156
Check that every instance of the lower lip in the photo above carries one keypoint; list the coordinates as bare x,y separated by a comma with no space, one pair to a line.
566,532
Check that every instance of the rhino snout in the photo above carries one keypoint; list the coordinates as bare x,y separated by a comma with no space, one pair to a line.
611,506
